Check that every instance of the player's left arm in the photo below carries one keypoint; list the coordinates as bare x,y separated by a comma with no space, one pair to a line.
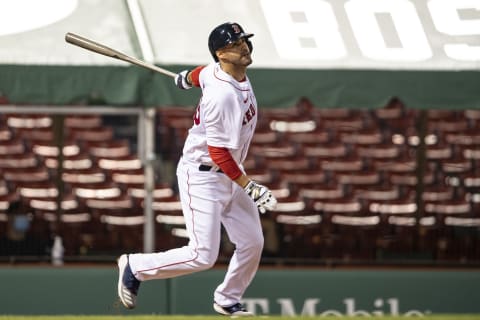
188,78
260,194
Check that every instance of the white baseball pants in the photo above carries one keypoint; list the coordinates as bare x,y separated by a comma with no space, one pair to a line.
209,199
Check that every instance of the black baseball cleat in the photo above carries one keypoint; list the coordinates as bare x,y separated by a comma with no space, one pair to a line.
236,310
127,283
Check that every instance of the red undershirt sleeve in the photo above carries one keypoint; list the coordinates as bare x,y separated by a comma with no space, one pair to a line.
195,75
223,159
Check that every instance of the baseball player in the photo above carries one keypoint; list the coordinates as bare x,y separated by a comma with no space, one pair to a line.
214,189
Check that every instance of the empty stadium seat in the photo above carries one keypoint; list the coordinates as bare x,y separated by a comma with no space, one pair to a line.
439,152
19,176
122,229
37,134
460,240
99,134
120,203
90,121
448,124
109,148
330,150
408,236
12,147
262,175
456,165
345,126
402,164
377,193
359,178
301,178
446,207
265,135
411,178
170,223
80,161
347,205
160,190
379,151
43,189
317,136
352,237
276,150
289,163
468,137
5,133
50,150
24,160
346,164
315,191
29,121
299,233
115,163
84,176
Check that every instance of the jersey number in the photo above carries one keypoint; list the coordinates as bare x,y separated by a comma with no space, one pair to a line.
196,116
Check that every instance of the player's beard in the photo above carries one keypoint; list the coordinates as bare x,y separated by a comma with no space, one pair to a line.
248,59
243,61
237,65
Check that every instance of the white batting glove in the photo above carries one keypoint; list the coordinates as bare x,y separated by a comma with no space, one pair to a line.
181,80
262,197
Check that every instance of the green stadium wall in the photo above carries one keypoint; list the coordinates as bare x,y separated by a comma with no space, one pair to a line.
92,290
116,85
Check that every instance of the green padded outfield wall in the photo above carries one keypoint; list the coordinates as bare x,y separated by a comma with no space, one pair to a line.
116,85
88,290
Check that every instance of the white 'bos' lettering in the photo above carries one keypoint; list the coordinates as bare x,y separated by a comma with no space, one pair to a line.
407,24
304,29
309,30
447,20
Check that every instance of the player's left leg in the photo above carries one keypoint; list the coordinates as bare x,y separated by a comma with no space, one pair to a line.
202,205
202,199
242,223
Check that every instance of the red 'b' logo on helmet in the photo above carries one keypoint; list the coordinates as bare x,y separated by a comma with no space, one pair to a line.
236,28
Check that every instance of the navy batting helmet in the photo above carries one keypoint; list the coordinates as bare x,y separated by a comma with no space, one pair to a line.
225,34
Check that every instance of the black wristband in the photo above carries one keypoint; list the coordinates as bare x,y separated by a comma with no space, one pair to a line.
186,78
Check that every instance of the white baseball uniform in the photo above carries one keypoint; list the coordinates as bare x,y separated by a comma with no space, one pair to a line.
226,117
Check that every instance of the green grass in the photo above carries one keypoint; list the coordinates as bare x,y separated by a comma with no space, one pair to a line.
180,317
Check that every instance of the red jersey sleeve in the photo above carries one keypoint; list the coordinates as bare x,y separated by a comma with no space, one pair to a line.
223,159
195,75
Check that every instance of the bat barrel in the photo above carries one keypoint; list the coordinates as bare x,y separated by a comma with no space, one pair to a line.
91,45
112,53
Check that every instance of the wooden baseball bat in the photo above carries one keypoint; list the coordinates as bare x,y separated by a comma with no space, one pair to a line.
109,52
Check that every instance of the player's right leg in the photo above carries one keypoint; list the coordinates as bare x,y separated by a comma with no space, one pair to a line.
236,310
243,226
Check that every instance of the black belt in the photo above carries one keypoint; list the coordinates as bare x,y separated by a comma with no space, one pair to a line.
204,167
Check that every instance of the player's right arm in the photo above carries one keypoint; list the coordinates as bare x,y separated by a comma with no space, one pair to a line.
260,194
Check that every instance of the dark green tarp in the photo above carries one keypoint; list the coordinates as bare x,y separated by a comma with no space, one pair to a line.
131,85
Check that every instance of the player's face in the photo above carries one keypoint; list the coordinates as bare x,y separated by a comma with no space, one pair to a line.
236,53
